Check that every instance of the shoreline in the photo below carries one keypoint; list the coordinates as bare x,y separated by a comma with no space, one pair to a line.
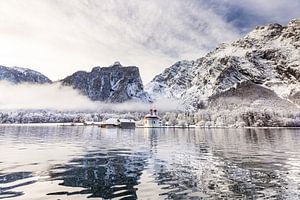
96,124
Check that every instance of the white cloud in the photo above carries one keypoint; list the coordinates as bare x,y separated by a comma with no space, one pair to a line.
59,37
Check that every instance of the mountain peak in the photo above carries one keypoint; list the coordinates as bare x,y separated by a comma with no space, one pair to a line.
22,75
112,84
274,31
116,64
268,56
294,23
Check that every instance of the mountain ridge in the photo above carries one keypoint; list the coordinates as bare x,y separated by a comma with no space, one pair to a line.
22,75
115,83
268,56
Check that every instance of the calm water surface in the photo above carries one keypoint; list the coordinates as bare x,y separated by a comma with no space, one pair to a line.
89,162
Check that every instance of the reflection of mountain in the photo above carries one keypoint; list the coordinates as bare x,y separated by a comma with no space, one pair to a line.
150,164
108,175
218,164
11,178
170,163
253,164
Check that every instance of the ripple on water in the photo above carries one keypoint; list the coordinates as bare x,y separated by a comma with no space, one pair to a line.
175,164
10,182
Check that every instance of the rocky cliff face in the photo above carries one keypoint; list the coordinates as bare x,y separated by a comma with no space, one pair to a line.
111,84
22,75
268,57
173,81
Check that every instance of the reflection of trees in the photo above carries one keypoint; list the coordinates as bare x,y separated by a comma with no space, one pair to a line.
103,175
213,163
231,163
256,165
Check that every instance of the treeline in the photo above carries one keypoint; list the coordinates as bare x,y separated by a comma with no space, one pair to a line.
204,118
237,118
46,116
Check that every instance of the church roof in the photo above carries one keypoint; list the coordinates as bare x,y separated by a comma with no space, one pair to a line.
149,116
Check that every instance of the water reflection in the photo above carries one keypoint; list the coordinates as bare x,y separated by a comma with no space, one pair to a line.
109,175
8,191
150,163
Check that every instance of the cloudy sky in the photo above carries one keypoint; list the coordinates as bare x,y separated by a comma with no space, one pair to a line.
58,37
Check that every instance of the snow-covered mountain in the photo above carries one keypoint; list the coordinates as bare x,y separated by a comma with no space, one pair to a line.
21,75
115,83
174,81
267,59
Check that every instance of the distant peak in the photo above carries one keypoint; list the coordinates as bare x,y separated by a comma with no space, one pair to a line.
20,69
294,22
117,64
20,75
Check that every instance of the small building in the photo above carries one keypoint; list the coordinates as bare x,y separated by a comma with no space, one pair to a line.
118,123
126,124
152,120
110,123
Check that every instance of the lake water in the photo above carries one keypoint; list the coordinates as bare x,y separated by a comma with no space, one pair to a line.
49,162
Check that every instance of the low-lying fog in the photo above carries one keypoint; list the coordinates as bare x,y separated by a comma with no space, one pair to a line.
63,98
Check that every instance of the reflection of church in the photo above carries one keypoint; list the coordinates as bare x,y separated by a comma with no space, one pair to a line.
152,135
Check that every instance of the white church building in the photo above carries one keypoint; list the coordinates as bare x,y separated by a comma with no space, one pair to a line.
152,120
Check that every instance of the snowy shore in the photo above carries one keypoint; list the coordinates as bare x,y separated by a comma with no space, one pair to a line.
201,119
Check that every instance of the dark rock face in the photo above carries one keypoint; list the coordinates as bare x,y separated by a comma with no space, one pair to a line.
22,75
111,84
